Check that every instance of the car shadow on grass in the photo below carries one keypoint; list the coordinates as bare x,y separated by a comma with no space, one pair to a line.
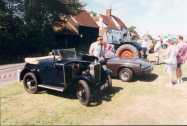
106,96
184,78
97,98
146,78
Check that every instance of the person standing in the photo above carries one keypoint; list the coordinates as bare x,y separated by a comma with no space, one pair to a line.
101,49
180,58
145,47
97,48
157,49
171,60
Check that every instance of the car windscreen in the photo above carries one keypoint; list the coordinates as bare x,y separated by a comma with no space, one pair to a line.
65,53
69,53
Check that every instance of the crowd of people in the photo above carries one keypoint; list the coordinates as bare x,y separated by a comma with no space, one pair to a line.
175,54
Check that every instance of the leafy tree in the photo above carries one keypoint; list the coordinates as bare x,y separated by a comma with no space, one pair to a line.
94,14
40,16
32,32
132,30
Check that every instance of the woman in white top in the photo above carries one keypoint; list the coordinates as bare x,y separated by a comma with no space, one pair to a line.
171,60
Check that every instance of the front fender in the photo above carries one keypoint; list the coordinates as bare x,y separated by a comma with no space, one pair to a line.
22,73
108,72
28,69
89,79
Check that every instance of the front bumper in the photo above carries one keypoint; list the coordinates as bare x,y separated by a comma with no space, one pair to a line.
147,70
102,86
95,85
144,71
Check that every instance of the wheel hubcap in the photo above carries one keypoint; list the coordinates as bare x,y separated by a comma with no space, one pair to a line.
124,75
30,83
81,93
126,54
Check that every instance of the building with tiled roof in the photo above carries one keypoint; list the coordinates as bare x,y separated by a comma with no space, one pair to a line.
79,30
111,27
84,19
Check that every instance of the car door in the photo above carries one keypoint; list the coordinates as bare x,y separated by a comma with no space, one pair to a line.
52,73
58,73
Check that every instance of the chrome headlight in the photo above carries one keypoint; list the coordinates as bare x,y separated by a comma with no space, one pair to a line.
92,72
86,72
95,71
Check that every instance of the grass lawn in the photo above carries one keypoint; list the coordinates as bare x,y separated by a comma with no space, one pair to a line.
147,100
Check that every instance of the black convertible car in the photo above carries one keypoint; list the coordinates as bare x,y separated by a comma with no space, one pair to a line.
62,69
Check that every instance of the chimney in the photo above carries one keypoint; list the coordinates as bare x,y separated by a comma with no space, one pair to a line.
108,12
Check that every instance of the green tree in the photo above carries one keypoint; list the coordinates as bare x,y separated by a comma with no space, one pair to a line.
32,32
40,16
133,33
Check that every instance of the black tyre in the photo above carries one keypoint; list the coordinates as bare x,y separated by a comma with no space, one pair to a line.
109,82
30,83
127,51
125,74
83,92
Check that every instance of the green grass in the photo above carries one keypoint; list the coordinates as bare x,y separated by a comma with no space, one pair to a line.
144,101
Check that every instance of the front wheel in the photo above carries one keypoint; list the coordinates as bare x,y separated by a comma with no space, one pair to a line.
125,74
109,82
30,83
83,92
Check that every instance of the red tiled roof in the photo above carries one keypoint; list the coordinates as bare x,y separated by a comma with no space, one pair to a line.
110,23
84,19
119,22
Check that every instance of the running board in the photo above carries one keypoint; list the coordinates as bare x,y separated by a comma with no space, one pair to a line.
56,88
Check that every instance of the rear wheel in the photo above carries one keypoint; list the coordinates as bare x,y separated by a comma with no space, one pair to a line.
83,92
125,74
30,83
127,51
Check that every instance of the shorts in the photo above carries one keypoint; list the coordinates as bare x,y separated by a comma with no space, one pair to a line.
179,65
170,68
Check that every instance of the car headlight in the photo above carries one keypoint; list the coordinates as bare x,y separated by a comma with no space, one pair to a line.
92,70
86,72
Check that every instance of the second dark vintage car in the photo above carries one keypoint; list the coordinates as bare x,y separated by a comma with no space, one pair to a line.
62,70
126,68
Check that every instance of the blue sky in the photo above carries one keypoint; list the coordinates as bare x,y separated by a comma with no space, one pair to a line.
149,16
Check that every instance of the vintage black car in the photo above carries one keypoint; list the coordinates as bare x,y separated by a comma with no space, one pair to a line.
126,68
63,69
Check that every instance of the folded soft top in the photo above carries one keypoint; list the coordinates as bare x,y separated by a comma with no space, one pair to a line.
36,60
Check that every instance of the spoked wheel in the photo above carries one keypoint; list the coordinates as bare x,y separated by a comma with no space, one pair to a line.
125,74
83,92
30,83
